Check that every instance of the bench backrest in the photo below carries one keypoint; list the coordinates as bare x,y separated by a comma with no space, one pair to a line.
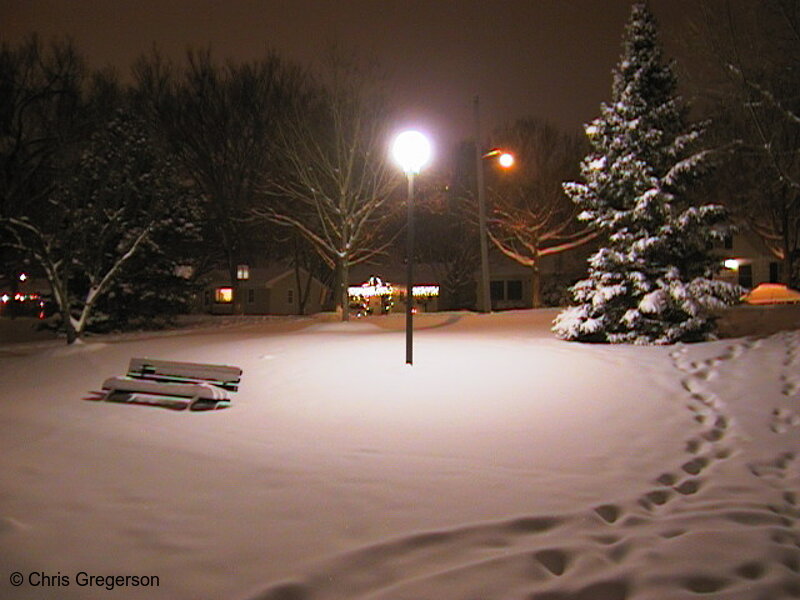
167,371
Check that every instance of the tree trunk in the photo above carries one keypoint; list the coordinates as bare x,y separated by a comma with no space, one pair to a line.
788,267
232,255
332,298
786,276
302,291
61,296
536,286
233,274
72,335
344,283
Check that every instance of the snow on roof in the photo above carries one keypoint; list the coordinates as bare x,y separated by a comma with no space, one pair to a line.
262,276
772,293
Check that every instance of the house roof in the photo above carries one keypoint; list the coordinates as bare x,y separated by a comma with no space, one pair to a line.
263,276
772,293
392,272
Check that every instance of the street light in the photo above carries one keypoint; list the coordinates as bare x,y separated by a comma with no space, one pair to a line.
411,150
505,160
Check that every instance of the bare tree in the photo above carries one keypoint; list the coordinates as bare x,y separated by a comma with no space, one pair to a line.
40,96
755,48
448,242
41,89
530,215
447,232
337,181
222,122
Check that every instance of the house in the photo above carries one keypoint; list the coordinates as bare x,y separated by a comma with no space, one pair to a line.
747,261
511,284
380,287
372,294
275,290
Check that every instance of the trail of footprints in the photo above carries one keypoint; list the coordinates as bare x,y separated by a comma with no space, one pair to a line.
707,445
784,419
512,558
518,559
519,552
791,363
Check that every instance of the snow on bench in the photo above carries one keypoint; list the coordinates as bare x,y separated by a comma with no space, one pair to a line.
174,384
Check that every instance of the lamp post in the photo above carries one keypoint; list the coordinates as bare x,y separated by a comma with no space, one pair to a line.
411,150
506,160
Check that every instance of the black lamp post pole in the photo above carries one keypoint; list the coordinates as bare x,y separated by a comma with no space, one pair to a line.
410,272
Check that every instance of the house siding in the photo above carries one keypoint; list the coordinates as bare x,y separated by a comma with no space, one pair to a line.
267,292
756,264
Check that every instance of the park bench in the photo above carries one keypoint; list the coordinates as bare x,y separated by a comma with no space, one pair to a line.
174,384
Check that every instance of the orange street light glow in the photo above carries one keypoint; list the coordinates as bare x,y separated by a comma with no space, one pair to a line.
506,160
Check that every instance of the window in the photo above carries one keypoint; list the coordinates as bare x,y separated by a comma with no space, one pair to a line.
506,290
223,295
251,296
746,276
243,272
514,289
728,242
497,290
290,296
774,272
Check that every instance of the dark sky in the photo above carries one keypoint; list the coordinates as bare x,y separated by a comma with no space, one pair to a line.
548,58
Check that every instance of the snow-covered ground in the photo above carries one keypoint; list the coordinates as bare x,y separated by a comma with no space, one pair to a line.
504,464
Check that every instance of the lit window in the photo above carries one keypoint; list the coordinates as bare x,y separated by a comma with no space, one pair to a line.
243,272
223,295
731,263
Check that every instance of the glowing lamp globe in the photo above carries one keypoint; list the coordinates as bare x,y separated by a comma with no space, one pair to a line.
411,150
506,160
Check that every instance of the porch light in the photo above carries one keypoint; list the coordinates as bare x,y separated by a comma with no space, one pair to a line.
731,263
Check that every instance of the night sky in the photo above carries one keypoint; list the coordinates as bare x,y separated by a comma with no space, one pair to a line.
546,58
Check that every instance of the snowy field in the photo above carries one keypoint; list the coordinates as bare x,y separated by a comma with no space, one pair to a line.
504,464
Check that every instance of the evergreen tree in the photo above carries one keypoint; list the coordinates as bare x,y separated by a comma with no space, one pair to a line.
652,282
